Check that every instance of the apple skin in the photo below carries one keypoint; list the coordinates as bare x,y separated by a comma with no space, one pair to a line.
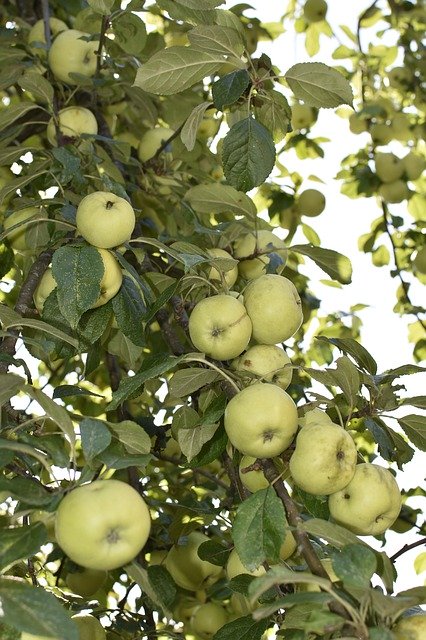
220,327
97,536
70,54
229,276
44,288
36,34
410,628
302,116
394,192
268,362
17,238
311,203
400,77
29,636
85,582
369,504
414,165
207,619
288,547
324,459
105,220
186,567
261,420
388,167
234,567
274,308
253,480
266,242
151,141
315,10
315,416
357,124
381,133
401,127
73,122
89,627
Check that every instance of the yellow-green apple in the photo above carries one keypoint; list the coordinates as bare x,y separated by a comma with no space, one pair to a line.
6,176
288,546
103,524
401,127
253,480
274,308
311,586
262,243
267,361
357,124
72,123
315,10
229,274
29,636
89,627
48,519
111,280
208,128
234,567
44,288
315,416
186,567
85,582
381,133
369,504
410,628
324,459
36,34
184,609
220,327
105,220
73,52
207,619
414,165
388,167
302,116
151,141
261,420
394,192
311,203
400,77
158,556
28,215
419,262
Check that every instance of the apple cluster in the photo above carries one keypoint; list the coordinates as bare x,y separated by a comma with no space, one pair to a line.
394,173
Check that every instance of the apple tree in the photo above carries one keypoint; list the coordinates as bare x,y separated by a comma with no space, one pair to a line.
190,448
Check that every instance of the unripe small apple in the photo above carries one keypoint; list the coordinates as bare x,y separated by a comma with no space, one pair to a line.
186,567
381,133
264,242
73,122
414,165
17,238
268,362
36,34
230,275
89,627
388,167
401,127
400,77
253,480
85,582
410,628
235,567
105,220
71,52
357,124
29,636
44,288
394,192
151,141
311,203
207,619
302,116
315,10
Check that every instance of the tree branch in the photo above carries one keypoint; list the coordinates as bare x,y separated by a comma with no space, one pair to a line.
406,548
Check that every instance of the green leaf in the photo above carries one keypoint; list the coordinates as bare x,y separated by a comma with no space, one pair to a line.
11,187
185,381
11,320
281,575
135,440
275,114
55,411
78,270
229,88
217,40
248,154
150,586
38,86
189,131
130,32
95,437
212,449
22,605
335,535
116,457
259,528
192,439
161,301
10,385
129,309
70,163
12,113
347,377
200,5
175,69
319,85
214,552
414,427
242,628
26,491
163,585
18,543
334,264
101,6
355,565
177,11
381,435
67,390
219,198
353,348
416,401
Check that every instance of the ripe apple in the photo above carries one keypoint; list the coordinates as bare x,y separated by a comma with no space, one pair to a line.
105,220
207,619
314,10
400,78
235,567
72,53
329,453
261,420
268,362
73,122
36,34
414,165
44,288
274,308
419,262
111,280
17,238
186,567
85,582
381,133
302,116
151,141
264,242
89,627
388,167
220,327
369,504
97,536
394,192
229,275
357,124
311,202
253,480
410,628
315,416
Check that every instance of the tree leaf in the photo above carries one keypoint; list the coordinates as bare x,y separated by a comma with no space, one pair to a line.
212,449
335,535
12,113
150,587
204,4
214,552
130,32
414,427
219,198
55,411
10,385
192,439
275,115
67,390
163,585
175,69
18,543
26,491
129,309
416,401
334,264
116,457
178,11
132,436
95,437
281,575
229,88
347,377
37,85
189,131
248,154
244,628
319,85
355,565
185,381
101,6
353,348
217,39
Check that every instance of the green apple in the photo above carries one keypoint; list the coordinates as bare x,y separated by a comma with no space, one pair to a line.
105,220
36,34
102,525
234,567
400,78
44,288
208,127
111,280
311,202
410,628
72,122
419,262
401,127
129,137
48,519
302,116
85,582
220,327
253,480
357,124
261,420
71,52
207,619
315,416
274,308
369,504
186,567
324,459
394,192
288,546
158,556
29,636
388,167
269,362
89,627
6,176
381,133
264,242
184,609
414,165
229,275
17,237
315,10
151,141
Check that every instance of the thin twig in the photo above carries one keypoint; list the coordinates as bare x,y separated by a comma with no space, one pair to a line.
406,548
202,472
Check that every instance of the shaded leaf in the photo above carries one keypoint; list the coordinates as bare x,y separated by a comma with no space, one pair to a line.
129,309
414,427
242,628
185,381
319,85
229,88
217,39
18,543
189,131
95,437
132,436
219,198
336,265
